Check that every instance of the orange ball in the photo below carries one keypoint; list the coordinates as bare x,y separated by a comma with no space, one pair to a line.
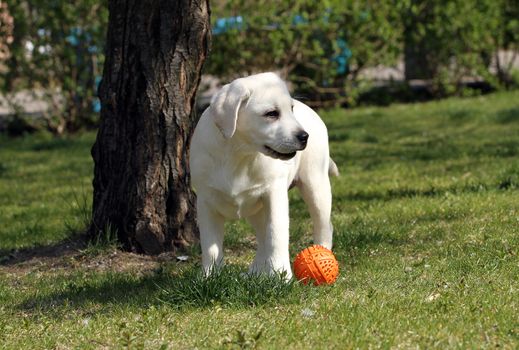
317,264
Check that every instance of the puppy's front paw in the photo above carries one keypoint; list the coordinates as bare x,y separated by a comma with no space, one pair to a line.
212,267
271,268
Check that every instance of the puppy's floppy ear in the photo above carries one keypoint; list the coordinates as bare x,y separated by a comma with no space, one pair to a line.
226,104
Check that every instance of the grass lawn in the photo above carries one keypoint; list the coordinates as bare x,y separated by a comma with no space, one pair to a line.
426,217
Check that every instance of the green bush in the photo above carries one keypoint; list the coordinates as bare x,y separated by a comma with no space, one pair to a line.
321,47
307,42
450,42
446,43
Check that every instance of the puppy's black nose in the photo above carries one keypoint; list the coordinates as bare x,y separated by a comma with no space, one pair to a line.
302,137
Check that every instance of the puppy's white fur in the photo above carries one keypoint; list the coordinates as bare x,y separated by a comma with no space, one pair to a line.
247,150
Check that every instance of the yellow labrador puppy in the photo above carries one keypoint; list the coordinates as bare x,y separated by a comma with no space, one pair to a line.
250,146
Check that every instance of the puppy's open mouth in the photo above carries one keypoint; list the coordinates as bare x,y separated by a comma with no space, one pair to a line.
278,155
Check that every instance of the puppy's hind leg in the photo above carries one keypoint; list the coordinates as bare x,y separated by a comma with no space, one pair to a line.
317,194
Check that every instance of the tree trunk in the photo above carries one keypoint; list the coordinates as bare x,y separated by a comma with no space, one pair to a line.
154,56
417,54
417,63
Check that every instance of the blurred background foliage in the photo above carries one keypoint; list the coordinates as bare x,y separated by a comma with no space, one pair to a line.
449,41
320,46
57,54
326,49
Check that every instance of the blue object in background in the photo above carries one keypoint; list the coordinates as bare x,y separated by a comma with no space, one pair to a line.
298,19
225,24
96,104
74,37
343,57
79,38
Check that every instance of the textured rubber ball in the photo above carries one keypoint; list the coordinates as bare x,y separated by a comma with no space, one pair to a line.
316,264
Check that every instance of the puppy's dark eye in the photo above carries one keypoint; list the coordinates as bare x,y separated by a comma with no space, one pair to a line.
272,114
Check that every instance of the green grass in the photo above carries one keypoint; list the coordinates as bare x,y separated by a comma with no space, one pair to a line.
426,217
45,188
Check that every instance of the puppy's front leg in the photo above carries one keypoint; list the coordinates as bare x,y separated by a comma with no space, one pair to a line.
317,194
211,226
277,231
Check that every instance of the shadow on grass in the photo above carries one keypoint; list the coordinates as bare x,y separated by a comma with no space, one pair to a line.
354,239
96,291
506,183
3,169
228,287
47,142
508,116
67,247
57,144
460,115
178,286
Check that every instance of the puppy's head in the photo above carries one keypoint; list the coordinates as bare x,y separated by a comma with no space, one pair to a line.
258,110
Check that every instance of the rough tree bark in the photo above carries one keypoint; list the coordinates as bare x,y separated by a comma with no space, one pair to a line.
154,56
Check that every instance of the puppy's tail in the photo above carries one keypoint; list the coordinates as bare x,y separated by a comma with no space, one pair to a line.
333,170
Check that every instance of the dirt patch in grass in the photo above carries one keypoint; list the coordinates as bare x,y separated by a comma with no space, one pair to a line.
74,254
